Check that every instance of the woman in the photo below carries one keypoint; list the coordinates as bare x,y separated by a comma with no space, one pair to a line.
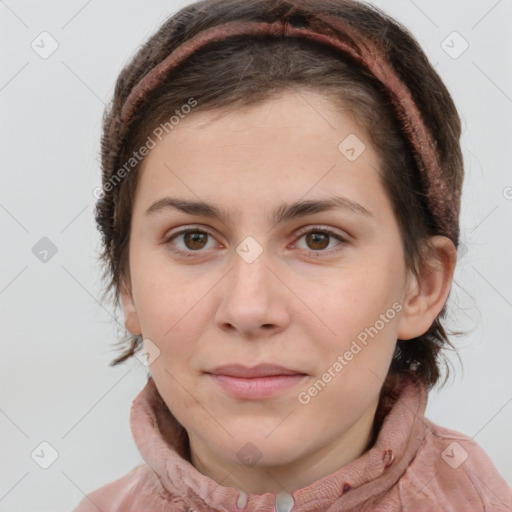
279,211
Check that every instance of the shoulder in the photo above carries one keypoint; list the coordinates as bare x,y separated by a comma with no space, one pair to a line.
452,470
121,494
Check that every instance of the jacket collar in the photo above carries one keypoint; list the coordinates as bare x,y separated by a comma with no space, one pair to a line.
163,444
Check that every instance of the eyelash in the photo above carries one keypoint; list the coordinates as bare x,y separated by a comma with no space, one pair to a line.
314,229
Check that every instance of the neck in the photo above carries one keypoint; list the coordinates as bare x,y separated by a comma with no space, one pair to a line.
261,479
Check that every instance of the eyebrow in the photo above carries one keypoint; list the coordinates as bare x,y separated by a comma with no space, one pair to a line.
284,212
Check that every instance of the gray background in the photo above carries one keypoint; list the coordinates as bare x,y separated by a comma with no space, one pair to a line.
56,385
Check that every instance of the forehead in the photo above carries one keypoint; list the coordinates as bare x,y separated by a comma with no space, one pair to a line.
294,144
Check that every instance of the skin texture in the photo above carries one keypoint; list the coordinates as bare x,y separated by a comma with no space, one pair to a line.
300,304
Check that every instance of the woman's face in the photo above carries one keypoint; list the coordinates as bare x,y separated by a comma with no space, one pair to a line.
258,276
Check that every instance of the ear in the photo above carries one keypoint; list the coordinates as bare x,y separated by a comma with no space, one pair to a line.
131,318
427,293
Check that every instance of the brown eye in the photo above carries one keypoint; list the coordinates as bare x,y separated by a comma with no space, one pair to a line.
190,242
317,240
195,240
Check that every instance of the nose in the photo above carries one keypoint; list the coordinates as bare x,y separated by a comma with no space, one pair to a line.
254,299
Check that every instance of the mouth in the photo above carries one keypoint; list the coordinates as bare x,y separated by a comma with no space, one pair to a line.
255,383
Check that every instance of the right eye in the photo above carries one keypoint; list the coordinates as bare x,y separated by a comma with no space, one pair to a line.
192,241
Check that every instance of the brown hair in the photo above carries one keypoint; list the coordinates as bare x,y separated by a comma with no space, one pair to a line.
244,70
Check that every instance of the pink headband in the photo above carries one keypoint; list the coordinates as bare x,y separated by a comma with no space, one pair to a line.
443,201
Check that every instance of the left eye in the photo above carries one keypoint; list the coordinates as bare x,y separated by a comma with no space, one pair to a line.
318,239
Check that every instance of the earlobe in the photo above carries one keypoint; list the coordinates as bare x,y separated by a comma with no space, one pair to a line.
427,293
131,318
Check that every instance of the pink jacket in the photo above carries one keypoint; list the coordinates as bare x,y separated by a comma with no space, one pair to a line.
414,465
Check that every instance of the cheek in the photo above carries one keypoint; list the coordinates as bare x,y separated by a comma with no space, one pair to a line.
357,299
362,310
164,297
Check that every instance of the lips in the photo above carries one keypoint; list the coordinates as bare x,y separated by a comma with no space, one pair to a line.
261,370
255,383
